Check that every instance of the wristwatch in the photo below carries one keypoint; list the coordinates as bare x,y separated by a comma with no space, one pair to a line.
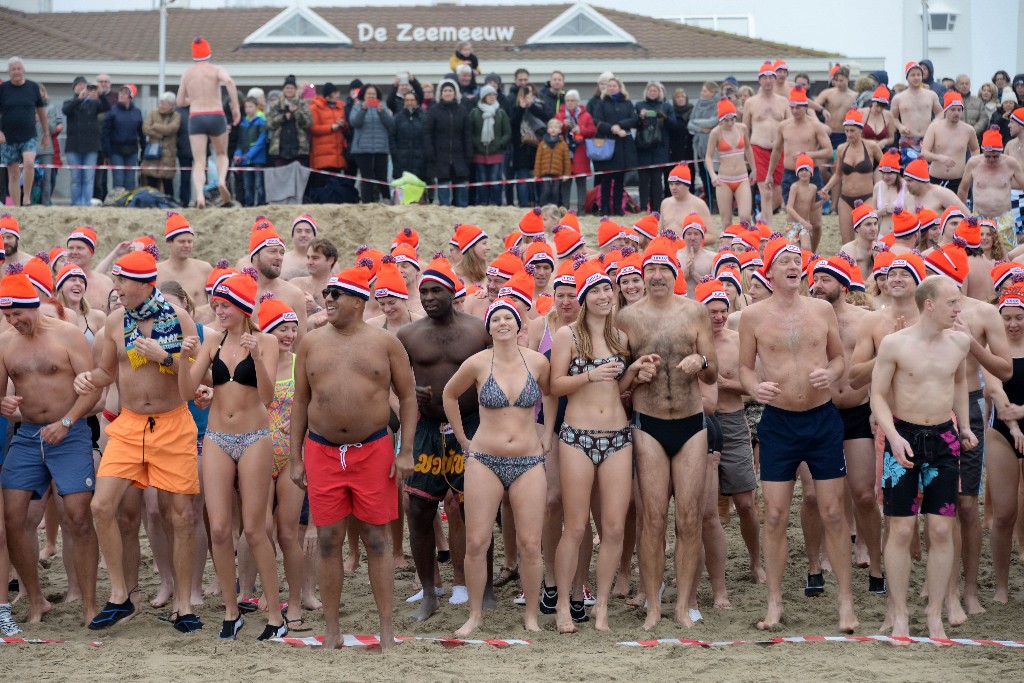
168,361
65,423
704,364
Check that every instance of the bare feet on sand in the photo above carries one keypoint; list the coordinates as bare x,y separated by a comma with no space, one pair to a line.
164,595
472,624
772,618
428,605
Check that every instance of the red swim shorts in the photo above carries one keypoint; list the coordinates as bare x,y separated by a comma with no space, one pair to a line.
351,479
762,156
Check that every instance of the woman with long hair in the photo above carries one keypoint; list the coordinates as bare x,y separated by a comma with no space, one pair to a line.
615,117
879,124
70,285
589,364
630,278
730,140
238,442
504,455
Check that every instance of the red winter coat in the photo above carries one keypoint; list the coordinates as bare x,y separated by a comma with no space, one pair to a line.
326,146
580,162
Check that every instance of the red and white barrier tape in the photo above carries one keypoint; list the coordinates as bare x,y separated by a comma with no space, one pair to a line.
43,641
827,639
333,174
349,640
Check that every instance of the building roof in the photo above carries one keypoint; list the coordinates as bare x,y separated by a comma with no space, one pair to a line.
134,36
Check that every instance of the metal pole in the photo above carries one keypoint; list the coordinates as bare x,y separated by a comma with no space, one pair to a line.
162,78
925,26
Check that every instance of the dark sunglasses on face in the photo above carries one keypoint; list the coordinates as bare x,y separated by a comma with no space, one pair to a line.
331,294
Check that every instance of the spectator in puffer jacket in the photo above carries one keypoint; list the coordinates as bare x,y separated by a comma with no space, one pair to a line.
122,136
448,144
406,139
371,124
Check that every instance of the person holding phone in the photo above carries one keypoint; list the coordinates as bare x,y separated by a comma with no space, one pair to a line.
371,124
82,113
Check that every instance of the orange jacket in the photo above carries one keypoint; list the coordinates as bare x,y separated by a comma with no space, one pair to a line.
552,161
327,147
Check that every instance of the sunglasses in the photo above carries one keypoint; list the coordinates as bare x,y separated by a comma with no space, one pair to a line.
333,294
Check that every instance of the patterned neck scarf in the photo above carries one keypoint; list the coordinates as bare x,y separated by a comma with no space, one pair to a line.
166,329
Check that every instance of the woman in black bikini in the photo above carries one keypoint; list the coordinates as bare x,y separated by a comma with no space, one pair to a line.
589,364
504,455
1004,440
853,175
237,442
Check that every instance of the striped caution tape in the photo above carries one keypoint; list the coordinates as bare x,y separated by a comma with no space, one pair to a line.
895,640
349,640
43,641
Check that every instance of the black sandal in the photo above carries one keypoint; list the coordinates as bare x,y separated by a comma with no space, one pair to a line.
272,631
506,575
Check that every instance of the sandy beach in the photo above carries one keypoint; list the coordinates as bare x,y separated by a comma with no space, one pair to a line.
147,649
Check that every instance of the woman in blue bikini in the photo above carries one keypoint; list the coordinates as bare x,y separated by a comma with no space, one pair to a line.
505,455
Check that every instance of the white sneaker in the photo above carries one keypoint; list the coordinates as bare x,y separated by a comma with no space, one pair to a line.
8,626
459,595
588,597
438,591
519,599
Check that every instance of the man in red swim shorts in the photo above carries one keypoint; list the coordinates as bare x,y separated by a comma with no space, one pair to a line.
344,372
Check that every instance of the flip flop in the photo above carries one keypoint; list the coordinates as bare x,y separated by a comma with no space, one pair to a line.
249,605
297,625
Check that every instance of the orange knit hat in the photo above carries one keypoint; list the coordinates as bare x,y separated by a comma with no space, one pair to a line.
861,212
693,221
853,118
950,260
880,95
9,223
589,274
798,97
725,109
804,161
904,223
540,252
375,256
16,291
969,231
354,281
648,225
405,253
263,235
274,312
680,174
85,234
567,241
175,225
139,266
69,271
952,99
662,251
709,289
220,272
608,231
440,270
389,280
467,236
1005,270
239,291
513,239
918,170
890,162
532,224
992,140
912,263
520,286
200,49
507,264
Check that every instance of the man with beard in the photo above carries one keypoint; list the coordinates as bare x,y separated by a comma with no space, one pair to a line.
11,232
266,252
437,346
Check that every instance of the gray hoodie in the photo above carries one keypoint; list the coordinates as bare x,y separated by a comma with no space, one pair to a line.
704,115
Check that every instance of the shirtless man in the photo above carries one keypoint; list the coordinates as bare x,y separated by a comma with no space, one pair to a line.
670,444
762,115
694,259
266,253
10,230
321,262
865,234
913,111
797,340
989,349
836,100
992,176
200,91
190,273
949,143
41,356
801,134
736,477
437,346
304,231
143,359
832,279
920,375
344,375
81,245
924,194
682,202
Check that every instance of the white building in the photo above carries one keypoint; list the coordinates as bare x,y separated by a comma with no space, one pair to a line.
976,37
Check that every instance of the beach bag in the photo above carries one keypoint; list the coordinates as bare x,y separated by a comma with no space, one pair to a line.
600,149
